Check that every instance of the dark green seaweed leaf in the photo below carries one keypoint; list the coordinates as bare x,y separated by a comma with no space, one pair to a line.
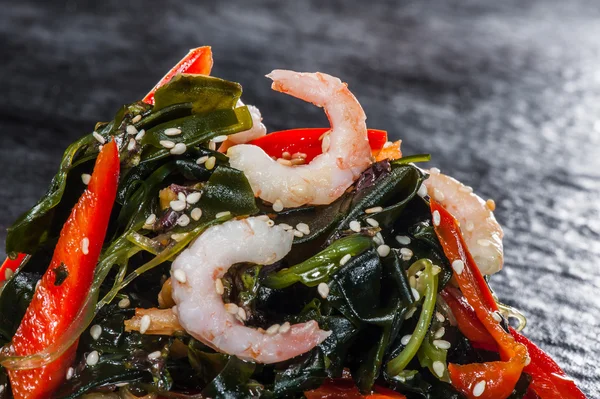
14,300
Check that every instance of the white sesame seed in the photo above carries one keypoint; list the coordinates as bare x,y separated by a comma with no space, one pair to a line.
85,245
270,223
323,290
167,143
92,358
345,259
145,324
219,287
274,329
212,145
177,205
438,195
299,155
154,355
196,214
406,253
383,250
178,236
202,160
497,316
375,209
410,313
220,139
8,273
124,303
438,368
210,163
285,226
99,137
436,218
85,178
439,333
303,228
242,314
483,242
372,222
470,226
403,240
95,331
286,155
183,220
181,197
222,214
131,130
355,226
193,198
326,143
180,276
405,339
150,220
172,131
491,204
140,135
479,388
458,266
466,189
137,118
422,192
285,327
231,308
441,344
100,147
131,144
278,205
527,360
179,149
70,373
440,317
415,294
377,240
298,234
434,171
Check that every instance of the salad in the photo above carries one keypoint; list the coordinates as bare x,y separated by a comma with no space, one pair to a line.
183,252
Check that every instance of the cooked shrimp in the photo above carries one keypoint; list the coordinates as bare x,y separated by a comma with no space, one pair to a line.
257,130
197,290
346,150
479,227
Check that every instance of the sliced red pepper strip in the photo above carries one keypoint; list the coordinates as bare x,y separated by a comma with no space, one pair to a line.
66,283
10,264
198,61
308,141
500,377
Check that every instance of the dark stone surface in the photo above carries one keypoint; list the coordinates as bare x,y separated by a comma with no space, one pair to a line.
505,95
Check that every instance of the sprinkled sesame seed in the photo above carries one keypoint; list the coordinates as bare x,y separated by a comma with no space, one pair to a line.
167,143
355,226
179,149
154,355
470,226
180,276
172,131
372,222
131,144
438,368
178,236
181,197
131,130
326,143
378,240
434,171
140,135
479,388
242,314
405,339
298,155
270,223
345,259
95,331
85,245
177,205
415,294
85,178
183,220
99,137
285,226
219,288
491,204
458,266
212,145
439,333
220,139
70,373
483,242
410,313
438,195
298,161
323,290
231,308
196,214
406,253
124,303
527,360
466,189
303,228
387,144
422,192
436,218
273,329
403,240
383,250
441,344
92,358
222,214
285,327
298,234
210,163
8,273
145,324
375,209
497,316
193,198
100,147
137,118
263,218
285,162
278,205
150,220
201,160
440,317
286,155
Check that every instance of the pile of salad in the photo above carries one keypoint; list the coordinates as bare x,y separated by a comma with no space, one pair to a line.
182,252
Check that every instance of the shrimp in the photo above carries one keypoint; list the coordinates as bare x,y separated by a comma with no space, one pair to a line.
197,290
346,150
257,130
482,233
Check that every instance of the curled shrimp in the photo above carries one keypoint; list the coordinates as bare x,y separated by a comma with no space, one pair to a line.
346,150
481,231
197,290
257,130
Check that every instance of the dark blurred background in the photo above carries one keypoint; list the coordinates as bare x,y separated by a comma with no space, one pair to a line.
504,95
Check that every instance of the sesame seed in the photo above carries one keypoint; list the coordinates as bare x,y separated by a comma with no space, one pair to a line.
375,209
177,205
196,214
183,220
210,163
154,355
180,276
219,288
435,270
242,314
95,331
484,242
383,250
285,327
323,290
193,198
439,368
491,204
434,171
278,205
85,178
298,155
466,189
441,344
92,358
201,160
263,218
298,234
8,273
99,137
179,149
527,360
172,131
496,315
124,303
422,192
274,329
439,333
326,143
220,139
100,147
406,253
286,155
479,388
303,228
131,130
378,240
410,313
415,294
222,214
284,162
372,222
212,145
470,226
285,226
355,226
181,197
85,245
150,220
167,143
458,266
178,236
403,240
436,218
298,161
438,195
145,324
405,339
345,259
231,308
137,118
70,373
131,144
440,317
270,223
140,135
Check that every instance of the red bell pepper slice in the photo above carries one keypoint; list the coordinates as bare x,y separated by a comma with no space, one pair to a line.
10,264
344,388
500,377
308,141
198,61
66,283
